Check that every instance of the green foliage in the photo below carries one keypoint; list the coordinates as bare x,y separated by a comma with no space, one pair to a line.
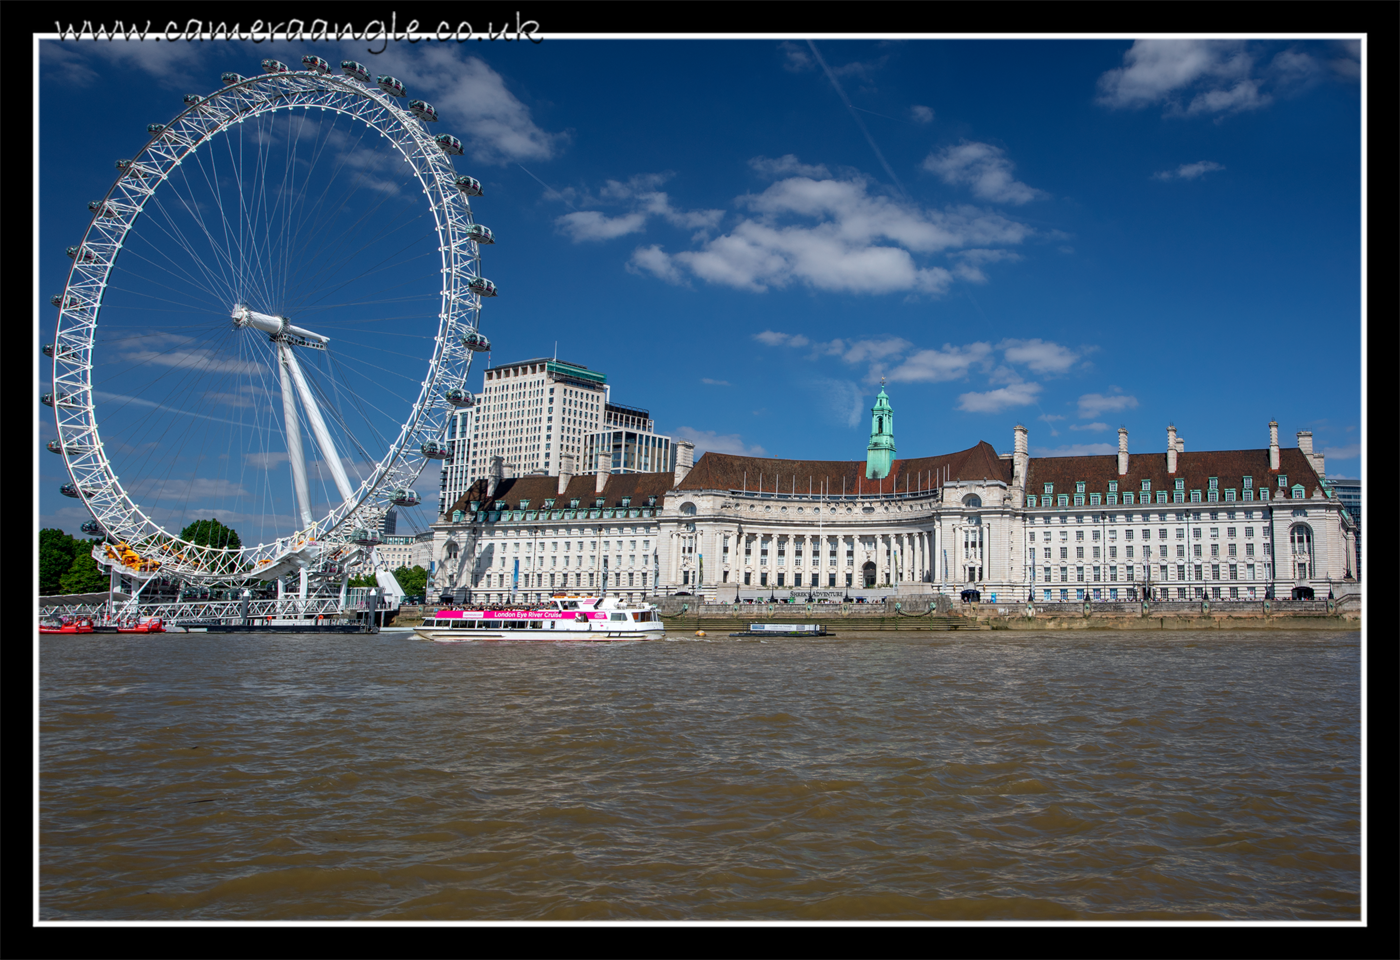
366,581
414,582
83,576
56,552
211,533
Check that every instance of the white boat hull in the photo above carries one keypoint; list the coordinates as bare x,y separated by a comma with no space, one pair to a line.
585,619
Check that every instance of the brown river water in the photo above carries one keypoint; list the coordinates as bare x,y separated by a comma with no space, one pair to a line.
1104,776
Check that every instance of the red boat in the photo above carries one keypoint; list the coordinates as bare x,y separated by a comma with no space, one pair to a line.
66,625
149,625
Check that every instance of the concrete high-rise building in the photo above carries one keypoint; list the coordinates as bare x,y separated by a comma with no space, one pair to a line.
1349,493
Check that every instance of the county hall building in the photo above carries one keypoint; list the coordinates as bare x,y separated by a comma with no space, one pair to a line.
1229,524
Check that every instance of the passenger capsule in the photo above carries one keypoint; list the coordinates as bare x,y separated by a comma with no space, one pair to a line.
449,144
482,286
423,111
71,490
46,399
392,87
355,71
405,498
81,254
193,99
274,66
476,341
434,450
471,186
155,129
92,528
230,79
72,449
48,350
129,168
480,233
460,398
102,209
315,64
58,301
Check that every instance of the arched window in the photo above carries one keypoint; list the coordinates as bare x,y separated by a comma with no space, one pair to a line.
450,551
687,509
972,500
1301,540
879,424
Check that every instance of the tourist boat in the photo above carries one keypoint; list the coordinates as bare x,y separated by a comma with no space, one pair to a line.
564,617
148,625
66,625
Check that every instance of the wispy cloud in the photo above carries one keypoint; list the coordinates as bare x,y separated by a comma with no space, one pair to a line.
715,383
706,440
921,114
1348,451
1093,404
1093,427
1188,171
643,200
982,168
995,401
788,166
1075,450
833,235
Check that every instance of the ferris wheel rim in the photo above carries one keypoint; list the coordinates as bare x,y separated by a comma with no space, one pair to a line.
91,473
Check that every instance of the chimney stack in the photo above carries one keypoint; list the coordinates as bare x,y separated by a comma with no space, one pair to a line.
1020,458
1171,448
685,459
1180,445
1317,460
1122,451
494,477
1273,444
566,471
601,471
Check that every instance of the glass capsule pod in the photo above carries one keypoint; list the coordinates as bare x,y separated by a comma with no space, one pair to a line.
230,79
46,399
155,129
129,168
274,66
315,64
80,254
355,71
405,498
363,537
58,301
450,145
460,398
71,490
102,209
193,99
92,528
434,450
470,186
423,111
391,86
48,350
482,286
480,233
476,341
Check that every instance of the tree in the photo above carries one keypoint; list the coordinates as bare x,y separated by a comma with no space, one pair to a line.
367,580
83,576
56,552
414,582
212,533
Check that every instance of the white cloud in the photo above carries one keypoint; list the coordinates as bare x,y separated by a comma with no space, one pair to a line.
1188,171
1094,427
921,114
776,339
858,244
654,260
983,168
1039,355
994,401
787,166
1214,73
934,366
716,383
473,101
705,440
845,400
585,225
795,59
1075,450
1093,404
171,64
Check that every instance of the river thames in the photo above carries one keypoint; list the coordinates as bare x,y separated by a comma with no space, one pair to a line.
940,776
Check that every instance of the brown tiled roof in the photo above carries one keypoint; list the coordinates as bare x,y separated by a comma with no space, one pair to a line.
723,471
1196,468
538,489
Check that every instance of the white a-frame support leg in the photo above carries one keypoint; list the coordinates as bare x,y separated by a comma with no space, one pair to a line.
293,430
318,426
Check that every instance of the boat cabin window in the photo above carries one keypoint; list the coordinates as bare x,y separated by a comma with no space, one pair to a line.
619,616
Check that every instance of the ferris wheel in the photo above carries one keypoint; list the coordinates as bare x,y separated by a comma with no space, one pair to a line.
270,318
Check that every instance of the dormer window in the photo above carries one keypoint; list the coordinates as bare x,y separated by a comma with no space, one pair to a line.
1181,484
524,504
1147,485
573,504
651,501
1049,488
598,502
1282,481
1248,483
1215,483
1079,486
1113,486
627,501
549,504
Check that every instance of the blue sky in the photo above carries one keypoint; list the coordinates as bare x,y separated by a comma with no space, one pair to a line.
747,235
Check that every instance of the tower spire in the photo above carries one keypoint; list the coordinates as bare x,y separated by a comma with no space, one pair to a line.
879,455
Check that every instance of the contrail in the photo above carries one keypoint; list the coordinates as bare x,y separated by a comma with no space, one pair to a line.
860,123
548,187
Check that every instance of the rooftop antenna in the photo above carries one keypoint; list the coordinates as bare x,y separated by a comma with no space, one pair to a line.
556,349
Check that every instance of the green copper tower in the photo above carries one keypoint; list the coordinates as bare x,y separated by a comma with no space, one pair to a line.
879,456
